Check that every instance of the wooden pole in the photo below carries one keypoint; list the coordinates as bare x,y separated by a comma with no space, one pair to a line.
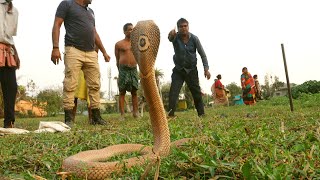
287,77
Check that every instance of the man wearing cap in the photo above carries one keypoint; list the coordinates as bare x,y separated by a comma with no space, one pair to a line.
9,59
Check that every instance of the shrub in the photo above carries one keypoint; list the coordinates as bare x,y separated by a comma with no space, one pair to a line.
308,87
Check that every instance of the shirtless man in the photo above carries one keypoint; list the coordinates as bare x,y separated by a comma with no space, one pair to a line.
128,74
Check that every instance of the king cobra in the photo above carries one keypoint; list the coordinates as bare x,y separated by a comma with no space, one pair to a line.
145,40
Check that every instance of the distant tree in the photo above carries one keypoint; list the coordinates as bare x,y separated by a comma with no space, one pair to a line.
266,90
158,75
165,89
31,91
31,88
21,93
277,84
50,100
308,87
234,89
270,86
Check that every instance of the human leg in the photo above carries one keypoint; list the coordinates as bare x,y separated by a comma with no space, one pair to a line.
121,103
192,81
89,114
73,62
91,72
74,110
9,90
177,80
135,103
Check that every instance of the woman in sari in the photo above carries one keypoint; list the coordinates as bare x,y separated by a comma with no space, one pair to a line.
219,92
257,88
247,84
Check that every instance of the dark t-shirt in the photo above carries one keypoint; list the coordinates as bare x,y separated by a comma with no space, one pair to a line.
79,22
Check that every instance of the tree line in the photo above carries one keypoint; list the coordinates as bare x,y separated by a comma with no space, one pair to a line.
50,99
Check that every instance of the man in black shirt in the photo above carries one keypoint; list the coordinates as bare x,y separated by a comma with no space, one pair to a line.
185,46
82,43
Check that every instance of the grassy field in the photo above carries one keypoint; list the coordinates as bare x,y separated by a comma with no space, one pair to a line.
265,141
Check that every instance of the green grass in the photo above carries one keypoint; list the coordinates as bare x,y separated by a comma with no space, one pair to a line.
265,141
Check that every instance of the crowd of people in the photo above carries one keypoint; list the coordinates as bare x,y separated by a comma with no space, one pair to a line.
251,89
82,73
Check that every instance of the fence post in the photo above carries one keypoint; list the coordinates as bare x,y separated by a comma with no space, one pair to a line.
287,77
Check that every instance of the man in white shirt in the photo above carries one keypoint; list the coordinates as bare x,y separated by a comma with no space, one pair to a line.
9,59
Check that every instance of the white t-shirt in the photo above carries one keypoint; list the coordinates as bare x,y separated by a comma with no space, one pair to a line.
8,23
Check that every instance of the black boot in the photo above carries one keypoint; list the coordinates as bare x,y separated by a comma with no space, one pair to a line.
68,117
96,117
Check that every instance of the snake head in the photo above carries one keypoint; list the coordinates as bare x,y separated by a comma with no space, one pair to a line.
145,40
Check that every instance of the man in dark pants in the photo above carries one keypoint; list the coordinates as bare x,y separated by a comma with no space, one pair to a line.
9,59
185,46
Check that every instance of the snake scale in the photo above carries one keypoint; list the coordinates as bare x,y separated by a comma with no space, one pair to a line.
145,40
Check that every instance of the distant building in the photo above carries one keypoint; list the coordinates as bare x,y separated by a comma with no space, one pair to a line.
26,107
283,91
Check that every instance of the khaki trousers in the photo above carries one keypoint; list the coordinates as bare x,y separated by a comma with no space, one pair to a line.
74,61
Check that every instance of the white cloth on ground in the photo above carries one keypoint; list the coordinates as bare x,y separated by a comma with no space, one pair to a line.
44,126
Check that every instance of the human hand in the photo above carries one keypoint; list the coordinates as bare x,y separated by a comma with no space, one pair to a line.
207,74
172,34
106,57
55,56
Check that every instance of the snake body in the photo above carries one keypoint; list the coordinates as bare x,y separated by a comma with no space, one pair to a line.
145,40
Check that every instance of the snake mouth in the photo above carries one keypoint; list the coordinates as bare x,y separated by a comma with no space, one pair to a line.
144,43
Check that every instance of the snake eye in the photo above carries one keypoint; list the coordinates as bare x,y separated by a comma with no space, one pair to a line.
144,42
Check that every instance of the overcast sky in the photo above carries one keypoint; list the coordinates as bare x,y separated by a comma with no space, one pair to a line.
233,33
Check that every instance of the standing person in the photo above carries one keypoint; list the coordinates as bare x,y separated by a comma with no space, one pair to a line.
247,84
257,87
81,41
128,74
9,59
185,46
220,96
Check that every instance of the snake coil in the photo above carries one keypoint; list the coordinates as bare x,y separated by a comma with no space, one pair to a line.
145,40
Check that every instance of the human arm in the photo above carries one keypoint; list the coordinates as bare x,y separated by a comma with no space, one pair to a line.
55,54
203,58
172,35
101,47
116,53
